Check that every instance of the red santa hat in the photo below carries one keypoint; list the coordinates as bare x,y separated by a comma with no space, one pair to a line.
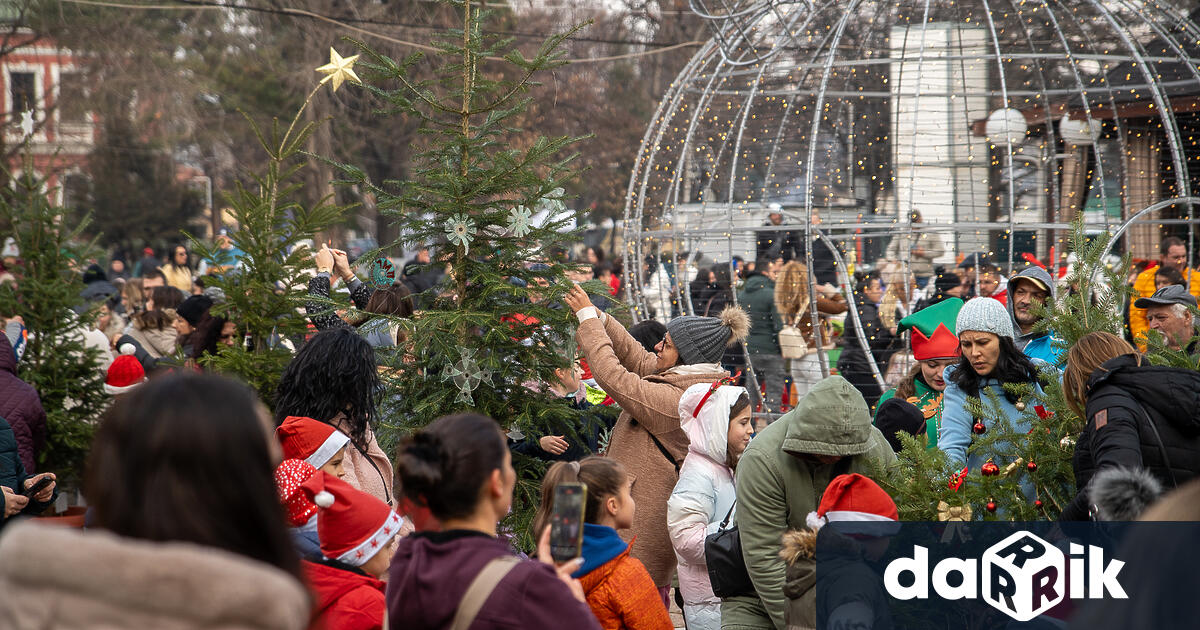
311,440
854,498
301,511
125,372
353,526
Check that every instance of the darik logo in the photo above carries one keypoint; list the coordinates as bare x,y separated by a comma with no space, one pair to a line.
1023,576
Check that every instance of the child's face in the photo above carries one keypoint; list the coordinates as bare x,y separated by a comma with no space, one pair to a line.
334,466
625,506
740,428
378,565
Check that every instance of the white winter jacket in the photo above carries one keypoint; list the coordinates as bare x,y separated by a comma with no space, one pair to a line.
705,491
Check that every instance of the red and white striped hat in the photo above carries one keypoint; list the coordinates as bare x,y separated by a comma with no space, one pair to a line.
311,440
353,526
854,498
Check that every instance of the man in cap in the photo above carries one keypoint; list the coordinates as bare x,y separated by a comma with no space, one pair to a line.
1027,290
1173,255
1169,311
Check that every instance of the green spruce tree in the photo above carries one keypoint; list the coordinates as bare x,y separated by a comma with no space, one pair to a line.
46,296
264,293
493,331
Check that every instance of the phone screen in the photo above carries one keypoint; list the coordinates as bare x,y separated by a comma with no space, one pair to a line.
566,521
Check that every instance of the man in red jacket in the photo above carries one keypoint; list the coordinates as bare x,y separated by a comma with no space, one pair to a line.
358,533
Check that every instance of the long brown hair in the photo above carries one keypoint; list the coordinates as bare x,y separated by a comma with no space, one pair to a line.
603,476
908,385
791,291
1084,358
186,458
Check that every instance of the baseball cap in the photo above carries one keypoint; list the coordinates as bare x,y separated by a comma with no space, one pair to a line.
1173,294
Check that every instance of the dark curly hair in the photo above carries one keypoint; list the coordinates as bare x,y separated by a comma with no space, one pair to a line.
335,372
1012,366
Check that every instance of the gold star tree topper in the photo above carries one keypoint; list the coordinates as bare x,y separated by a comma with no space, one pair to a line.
339,69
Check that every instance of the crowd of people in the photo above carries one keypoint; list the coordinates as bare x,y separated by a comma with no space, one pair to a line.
206,508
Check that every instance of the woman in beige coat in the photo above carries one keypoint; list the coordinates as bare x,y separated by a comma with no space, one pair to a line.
188,532
647,438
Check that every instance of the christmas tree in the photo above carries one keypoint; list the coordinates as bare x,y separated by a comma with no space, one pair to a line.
46,296
1027,475
489,336
263,293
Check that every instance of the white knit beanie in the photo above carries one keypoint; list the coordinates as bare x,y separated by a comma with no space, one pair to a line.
984,314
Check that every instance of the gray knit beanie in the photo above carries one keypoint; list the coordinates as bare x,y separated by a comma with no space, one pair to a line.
703,339
984,314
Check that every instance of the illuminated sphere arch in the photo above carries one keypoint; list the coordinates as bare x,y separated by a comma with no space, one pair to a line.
1001,121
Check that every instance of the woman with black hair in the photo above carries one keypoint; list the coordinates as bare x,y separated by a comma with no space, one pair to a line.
188,530
990,360
394,300
459,467
334,379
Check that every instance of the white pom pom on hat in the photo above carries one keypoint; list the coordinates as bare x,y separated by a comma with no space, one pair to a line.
323,499
813,521
127,348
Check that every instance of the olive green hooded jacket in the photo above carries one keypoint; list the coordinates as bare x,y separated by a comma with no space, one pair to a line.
779,481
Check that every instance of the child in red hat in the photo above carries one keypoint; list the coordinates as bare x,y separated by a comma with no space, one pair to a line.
124,373
851,589
314,442
358,533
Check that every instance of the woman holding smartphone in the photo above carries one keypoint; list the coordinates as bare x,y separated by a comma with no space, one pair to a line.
460,468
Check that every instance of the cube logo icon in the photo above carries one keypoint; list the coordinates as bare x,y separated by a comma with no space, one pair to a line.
1024,576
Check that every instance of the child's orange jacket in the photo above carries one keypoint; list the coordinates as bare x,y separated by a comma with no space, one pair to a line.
622,595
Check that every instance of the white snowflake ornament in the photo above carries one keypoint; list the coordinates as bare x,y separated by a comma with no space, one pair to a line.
518,221
461,229
467,375
552,204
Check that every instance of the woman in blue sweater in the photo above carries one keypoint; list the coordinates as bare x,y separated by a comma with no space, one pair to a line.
989,360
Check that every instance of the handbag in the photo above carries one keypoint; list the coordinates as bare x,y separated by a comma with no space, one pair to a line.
726,565
791,343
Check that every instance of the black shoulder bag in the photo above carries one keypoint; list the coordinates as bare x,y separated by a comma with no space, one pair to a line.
726,565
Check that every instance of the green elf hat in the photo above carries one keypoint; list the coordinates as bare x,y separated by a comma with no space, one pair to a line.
933,335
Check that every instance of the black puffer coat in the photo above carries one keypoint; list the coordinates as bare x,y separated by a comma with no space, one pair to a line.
1118,434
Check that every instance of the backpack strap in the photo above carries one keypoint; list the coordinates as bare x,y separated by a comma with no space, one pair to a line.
480,589
662,449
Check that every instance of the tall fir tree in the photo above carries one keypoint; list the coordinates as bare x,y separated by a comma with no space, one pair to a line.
46,295
492,332
263,294
923,483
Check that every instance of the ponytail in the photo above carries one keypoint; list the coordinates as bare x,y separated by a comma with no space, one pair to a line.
603,476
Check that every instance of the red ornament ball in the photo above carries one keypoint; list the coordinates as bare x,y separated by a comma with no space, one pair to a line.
978,428
1031,466
989,469
1037,504
991,506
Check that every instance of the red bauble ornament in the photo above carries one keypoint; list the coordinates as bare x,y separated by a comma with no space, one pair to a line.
991,506
978,428
1031,466
989,469
1038,504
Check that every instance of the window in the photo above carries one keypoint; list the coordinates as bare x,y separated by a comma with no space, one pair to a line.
22,91
72,99
76,191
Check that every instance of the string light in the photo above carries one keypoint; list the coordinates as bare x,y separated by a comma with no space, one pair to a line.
903,89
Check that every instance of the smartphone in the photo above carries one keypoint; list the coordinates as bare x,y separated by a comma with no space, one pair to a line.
566,521
37,487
